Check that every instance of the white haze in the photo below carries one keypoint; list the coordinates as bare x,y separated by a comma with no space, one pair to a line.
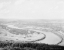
31,9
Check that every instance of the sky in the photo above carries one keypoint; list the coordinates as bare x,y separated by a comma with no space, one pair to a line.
31,9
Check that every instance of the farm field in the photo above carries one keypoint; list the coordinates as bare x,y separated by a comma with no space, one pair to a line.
48,34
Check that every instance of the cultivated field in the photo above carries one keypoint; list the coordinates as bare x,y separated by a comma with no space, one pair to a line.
33,31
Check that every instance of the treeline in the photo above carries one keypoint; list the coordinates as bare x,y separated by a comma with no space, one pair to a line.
32,46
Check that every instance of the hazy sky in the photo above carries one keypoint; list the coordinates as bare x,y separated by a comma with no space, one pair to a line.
32,9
